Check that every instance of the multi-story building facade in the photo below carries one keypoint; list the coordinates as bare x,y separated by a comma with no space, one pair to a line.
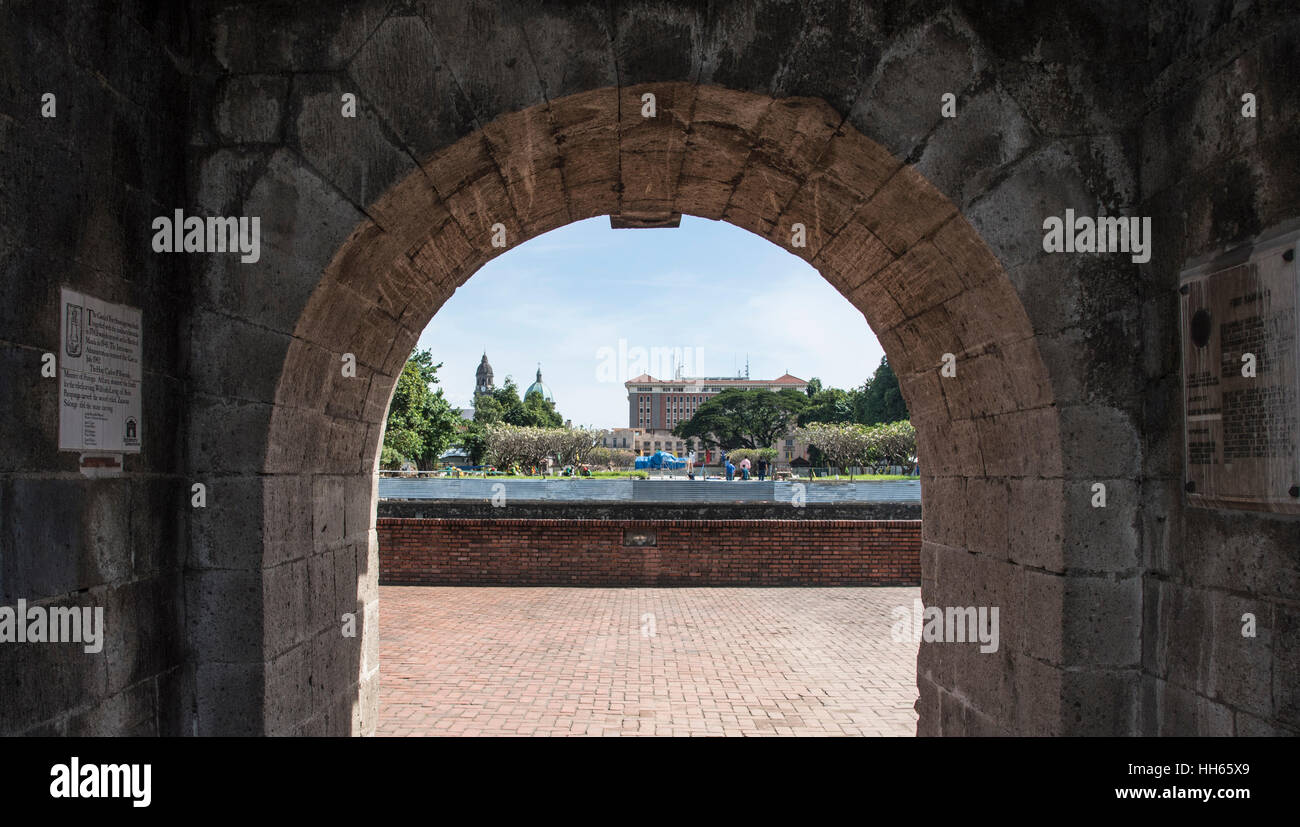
662,404
656,406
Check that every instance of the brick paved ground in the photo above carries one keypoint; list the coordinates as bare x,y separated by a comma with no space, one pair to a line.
585,661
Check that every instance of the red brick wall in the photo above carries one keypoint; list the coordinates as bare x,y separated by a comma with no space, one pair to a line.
554,552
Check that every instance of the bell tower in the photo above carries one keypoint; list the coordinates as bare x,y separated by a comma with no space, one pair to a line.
483,377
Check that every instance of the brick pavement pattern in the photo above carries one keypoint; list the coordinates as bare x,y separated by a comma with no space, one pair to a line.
644,661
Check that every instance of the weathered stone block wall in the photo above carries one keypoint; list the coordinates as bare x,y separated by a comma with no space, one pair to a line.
1213,180
526,113
77,194
769,113
576,552
473,134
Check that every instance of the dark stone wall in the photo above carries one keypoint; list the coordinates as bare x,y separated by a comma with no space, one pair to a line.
1019,150
1112,105
77,194
1213,181
216,618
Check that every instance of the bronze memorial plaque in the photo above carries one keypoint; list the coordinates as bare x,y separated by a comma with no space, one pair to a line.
1241,371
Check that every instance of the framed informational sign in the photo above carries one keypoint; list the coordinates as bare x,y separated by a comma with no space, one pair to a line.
99,375
1241,372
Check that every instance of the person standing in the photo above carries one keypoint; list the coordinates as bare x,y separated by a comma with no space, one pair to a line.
731,471
762,469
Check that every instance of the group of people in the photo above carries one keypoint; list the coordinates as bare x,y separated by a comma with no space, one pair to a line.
732,472
760,469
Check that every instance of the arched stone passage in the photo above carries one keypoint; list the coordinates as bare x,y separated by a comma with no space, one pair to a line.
875,228
429,80
221,616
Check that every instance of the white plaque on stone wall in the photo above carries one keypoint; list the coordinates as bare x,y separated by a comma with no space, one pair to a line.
100,372
1241,376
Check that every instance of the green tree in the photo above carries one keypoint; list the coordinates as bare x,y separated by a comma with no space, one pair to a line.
739,418
829,405
895,443
538,412
487,410
508,402
473,434
421,424
845,444
880,400
503,405
473,438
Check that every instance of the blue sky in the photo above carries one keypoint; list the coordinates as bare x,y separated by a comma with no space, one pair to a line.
583,299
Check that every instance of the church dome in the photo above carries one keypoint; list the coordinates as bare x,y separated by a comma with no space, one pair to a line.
539,387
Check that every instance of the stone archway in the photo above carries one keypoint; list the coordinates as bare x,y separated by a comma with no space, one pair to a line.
467,108
875,228
223,616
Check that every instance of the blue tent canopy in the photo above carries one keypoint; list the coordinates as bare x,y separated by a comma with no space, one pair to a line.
658,460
